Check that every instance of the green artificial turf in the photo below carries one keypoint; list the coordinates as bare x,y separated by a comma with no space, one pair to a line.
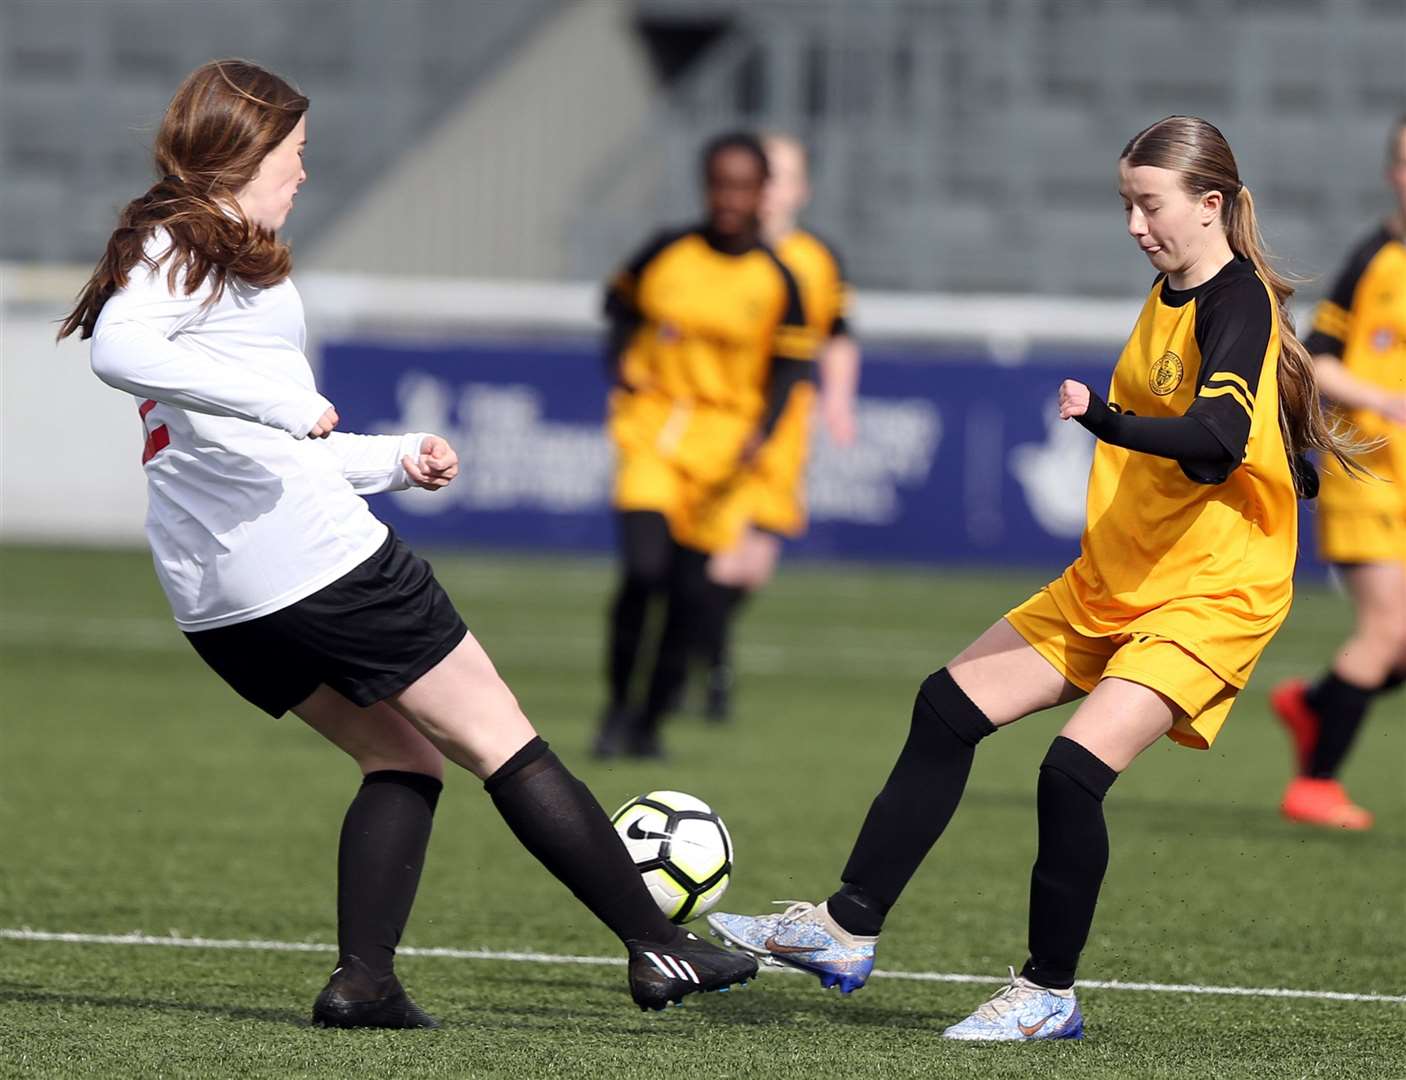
137,793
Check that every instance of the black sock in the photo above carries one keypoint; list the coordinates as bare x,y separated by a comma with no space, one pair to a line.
913,809
558,820
723,602
627,616
1394,679
1340,707
1072,858
688,583
645,554
379,859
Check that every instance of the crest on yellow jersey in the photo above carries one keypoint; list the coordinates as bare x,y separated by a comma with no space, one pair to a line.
1166,374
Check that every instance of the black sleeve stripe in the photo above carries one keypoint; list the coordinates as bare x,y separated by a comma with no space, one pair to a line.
622,285
1340,296
1321,344
795,309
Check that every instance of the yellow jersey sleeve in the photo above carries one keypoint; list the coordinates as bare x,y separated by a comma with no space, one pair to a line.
1333,318
623,287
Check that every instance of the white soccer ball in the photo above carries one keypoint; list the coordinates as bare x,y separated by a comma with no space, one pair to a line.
681,848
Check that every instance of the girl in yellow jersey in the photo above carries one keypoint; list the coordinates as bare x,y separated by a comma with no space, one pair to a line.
1359,349
773,498
1184,575
708,343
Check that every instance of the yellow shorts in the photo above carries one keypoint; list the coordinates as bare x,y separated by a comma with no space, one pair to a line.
681,460
705,517
1203,697
777,502
1362,535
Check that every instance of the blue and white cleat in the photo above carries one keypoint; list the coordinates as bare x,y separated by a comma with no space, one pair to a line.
1022,1011
803,936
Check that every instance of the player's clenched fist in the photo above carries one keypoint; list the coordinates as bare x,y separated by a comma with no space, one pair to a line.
1073,399
325,424
438,464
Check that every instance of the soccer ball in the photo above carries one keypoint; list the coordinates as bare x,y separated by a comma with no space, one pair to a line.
681,848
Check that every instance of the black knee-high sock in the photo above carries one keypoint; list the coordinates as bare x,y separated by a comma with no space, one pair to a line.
379,859
1393,681
1340,707
688,585
1072,859
558,820
913,809
646,551
627,616
723,602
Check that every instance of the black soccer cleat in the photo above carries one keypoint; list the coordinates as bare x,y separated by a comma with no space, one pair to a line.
717,708
617,723
662,975
354,998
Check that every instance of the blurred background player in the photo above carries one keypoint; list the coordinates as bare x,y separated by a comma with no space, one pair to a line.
777,498
708,340
1359,350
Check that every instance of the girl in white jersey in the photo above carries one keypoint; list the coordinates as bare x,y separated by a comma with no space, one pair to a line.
286,583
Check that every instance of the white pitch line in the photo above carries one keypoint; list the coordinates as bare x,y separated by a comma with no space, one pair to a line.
26,934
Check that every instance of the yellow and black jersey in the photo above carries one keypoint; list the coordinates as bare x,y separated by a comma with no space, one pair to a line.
1362,322
1197,555
821,277
700,325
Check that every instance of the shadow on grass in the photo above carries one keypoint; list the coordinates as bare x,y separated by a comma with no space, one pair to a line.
780,1000
601,1010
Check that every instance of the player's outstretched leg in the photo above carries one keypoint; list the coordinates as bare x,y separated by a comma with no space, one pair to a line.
556,817
380,855
836,940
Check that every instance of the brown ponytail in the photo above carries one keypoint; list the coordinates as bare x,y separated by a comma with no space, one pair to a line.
1199,153
1302,419
220,125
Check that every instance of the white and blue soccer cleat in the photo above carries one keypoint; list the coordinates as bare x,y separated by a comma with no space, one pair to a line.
803,936
1022,1011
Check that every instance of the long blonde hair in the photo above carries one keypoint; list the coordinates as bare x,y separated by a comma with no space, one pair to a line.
222,122
1197,152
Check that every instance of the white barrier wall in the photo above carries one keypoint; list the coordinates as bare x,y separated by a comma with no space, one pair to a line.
70,447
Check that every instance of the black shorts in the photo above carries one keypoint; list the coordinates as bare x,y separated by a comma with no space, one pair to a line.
368,635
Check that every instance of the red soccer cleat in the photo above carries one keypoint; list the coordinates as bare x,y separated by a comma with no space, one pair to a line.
1289,702
1323,802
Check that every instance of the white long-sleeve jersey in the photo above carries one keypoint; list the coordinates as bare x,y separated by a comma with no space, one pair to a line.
245,514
